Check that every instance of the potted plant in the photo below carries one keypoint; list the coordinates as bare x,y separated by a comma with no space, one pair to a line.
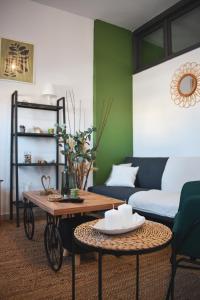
78,147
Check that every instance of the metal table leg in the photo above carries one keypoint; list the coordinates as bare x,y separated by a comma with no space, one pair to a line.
29,223
170,291
53,243
73,272
137,277
100,276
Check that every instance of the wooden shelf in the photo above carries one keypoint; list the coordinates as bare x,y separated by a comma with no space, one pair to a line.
38,106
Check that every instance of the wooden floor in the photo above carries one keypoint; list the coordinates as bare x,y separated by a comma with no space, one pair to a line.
24,273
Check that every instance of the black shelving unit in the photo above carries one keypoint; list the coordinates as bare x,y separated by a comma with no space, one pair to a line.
31,134
14,163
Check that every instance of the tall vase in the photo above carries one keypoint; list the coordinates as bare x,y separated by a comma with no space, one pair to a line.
68,182
65,183
72,180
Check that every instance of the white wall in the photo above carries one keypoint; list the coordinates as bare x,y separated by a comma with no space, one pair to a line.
162,128
63,56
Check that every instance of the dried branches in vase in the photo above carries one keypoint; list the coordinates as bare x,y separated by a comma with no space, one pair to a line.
76,145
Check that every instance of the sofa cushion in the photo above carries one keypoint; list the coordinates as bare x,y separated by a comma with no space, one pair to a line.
150,171
122,176
156,202
178,171
119,192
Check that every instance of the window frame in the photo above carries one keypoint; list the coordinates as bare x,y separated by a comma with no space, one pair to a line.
148,32
164,20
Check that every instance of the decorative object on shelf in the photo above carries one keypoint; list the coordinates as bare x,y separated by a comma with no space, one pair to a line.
46,183
22,128
49,93
27,158
37,130
51,130
52,161
185,85
42,162
79,154
16,60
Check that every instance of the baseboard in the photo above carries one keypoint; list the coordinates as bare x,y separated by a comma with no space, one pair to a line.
5,217
38,213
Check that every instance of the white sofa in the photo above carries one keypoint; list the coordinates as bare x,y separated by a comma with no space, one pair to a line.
165,202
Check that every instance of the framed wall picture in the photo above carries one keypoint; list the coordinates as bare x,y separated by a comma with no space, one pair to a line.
16,60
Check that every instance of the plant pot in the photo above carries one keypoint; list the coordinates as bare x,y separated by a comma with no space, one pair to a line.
68,182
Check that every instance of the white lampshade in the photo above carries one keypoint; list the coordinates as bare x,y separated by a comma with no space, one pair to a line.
49,90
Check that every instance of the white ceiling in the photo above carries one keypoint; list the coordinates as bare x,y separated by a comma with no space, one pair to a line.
129,14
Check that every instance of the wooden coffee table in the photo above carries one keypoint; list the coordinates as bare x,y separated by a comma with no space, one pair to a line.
55,211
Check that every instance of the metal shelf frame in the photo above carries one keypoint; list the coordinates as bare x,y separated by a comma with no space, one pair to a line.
14,164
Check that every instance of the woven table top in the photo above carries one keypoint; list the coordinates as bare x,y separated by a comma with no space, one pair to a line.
149,237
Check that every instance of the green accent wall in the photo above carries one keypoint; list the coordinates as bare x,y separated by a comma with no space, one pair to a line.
112,79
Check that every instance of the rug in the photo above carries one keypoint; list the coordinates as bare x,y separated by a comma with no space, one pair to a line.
25,274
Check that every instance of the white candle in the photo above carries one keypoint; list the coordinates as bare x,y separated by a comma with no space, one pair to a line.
112,219
125,211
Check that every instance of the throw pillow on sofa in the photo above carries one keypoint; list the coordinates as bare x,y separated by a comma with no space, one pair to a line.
124,165
122,176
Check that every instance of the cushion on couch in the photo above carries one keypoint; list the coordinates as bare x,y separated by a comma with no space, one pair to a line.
122,176
119,192
156,202
150,171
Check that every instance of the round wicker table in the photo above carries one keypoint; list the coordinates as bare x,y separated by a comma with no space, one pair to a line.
149,238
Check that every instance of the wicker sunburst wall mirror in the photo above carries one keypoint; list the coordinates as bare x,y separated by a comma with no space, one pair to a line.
185,85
